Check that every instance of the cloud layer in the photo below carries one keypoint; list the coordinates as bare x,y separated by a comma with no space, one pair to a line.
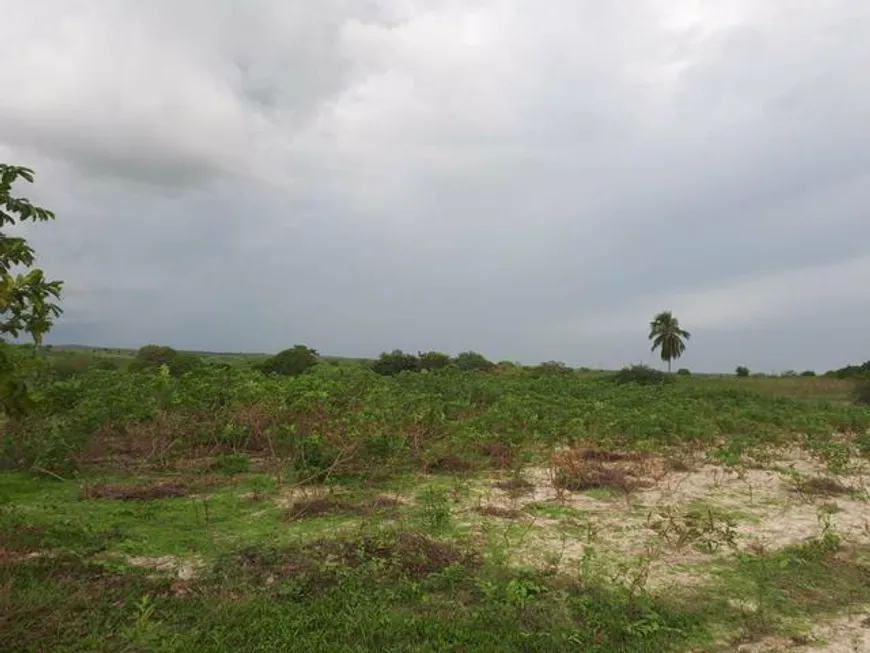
531,180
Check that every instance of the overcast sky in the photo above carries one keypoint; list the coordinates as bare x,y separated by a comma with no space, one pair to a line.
532,180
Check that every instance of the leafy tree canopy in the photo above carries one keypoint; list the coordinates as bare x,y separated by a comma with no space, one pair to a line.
291,362
27,298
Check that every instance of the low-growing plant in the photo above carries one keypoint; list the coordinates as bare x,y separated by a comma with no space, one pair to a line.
742,372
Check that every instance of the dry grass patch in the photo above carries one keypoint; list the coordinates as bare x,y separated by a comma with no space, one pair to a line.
826,486
447,464
491,510
515,486
326,506
581,469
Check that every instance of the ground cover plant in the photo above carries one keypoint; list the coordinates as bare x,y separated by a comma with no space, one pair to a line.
505,509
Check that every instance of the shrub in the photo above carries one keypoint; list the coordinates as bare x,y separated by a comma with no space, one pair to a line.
433,360
642,375
290,362
742,372
862,393
106,364
852,371
394,362
684,371
151,358
67,367
551,368
470,361
808,373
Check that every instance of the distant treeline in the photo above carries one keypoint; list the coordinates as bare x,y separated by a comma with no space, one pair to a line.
851,371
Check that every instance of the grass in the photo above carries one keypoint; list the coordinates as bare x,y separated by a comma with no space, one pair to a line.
442,512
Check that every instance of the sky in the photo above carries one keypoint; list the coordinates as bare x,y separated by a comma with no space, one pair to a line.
530,180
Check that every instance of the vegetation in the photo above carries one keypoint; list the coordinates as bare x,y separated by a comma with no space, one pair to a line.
153,357
641,375
852,371
228,508
26,299
742,372
396,362
291,362
176,501
668,337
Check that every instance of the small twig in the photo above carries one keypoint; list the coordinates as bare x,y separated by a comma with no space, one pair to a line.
50,473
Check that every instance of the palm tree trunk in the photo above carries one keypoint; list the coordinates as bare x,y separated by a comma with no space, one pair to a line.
669,366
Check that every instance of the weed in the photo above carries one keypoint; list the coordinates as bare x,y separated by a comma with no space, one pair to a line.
436,512
707,529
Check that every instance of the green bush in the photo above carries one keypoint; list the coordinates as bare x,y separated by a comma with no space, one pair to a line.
642,375
470,361
394,362
290,362
433,360
742,372
151,358
862,393
684,371
808,373
67,367
551,368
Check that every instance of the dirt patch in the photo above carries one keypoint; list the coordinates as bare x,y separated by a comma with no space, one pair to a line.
183,570
672,525
12,557
843,635
142,492
822,486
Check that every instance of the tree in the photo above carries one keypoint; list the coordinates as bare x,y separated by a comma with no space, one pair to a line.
433,360
26,297
291,362
395,362
471,361
742,371
151,358
668,337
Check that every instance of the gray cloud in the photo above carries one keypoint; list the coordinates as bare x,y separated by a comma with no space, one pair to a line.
528,180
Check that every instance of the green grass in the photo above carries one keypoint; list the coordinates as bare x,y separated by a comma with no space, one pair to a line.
347,573
345,582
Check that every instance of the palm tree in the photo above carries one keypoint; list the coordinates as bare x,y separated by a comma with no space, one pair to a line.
668,337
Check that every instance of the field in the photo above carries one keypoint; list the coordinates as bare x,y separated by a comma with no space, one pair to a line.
511,510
